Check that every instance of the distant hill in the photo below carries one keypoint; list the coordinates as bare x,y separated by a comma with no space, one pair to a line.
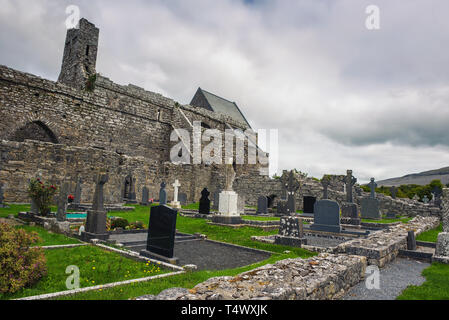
422,178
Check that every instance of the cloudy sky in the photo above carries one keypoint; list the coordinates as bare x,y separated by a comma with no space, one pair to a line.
341,95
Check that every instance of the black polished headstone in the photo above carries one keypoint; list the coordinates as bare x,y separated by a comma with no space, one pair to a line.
204,202
262,205
411,240
326,216
162,230
309,203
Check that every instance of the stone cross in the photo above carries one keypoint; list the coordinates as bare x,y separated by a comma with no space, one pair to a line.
78,190
350,182
176,186
62,202
162,194
425,199
394,192
230,175
98,202
445,209
325,183
372,185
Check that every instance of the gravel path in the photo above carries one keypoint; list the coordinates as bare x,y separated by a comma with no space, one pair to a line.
394,278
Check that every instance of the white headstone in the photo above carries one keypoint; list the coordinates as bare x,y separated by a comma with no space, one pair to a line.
175,203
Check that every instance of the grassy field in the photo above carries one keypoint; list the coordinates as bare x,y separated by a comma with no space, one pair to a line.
436,286
430,235
48,238
187,280
97,266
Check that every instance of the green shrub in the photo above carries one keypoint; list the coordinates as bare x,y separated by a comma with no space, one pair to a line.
20,265
119,223
42,194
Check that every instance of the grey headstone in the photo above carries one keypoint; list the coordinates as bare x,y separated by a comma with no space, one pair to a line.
216,200
370,209
34,208
78,190
96,218
241,204
163,194
145,196
281,208
425,199
182,198
262,205
62,202
98,201
349,183
325,183
291,227
394,192
327,216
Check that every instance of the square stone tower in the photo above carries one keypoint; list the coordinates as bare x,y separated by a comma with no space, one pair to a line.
80,55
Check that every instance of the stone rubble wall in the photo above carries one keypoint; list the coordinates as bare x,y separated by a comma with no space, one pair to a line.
382,247
323,277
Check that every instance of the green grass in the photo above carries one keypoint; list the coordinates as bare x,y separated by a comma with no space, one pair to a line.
436,286
384,220
430,235
97,266
13,209
192,206
187,280
48,238
257,218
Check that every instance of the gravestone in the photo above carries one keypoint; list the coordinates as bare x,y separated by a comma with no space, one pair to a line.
394,192
349,183
230,207
309,203
34,209
175,203
291,232
281,209
415,197
2,205
130,190
78,190
391,215
183,199
425,199
290,184
327,216
442,247
437,196
163,194
325,184
204,202
216,202
370,206
262,205
291,204
411,240
145,196
161,234
62,202
96,217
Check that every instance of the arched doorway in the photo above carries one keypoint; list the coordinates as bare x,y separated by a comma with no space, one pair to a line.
35,130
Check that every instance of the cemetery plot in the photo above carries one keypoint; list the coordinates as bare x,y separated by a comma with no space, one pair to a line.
97,266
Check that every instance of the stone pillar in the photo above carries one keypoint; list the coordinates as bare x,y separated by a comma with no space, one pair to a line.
442,248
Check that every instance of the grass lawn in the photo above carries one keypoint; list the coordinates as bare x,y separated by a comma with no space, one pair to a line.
13,209
48,238
430,235
257,218
97,266
436,286
187,280
384,220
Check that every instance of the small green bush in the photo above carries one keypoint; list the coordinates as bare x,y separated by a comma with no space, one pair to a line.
20,265
119,223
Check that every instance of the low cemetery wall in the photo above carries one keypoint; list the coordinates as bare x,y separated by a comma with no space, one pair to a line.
383,246
324,277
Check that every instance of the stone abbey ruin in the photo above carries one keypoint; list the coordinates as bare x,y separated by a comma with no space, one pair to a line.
84,124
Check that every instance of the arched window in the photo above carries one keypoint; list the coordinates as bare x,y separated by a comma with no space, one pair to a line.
35,130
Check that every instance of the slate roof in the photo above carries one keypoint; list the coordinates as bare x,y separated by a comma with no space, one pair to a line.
210,101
